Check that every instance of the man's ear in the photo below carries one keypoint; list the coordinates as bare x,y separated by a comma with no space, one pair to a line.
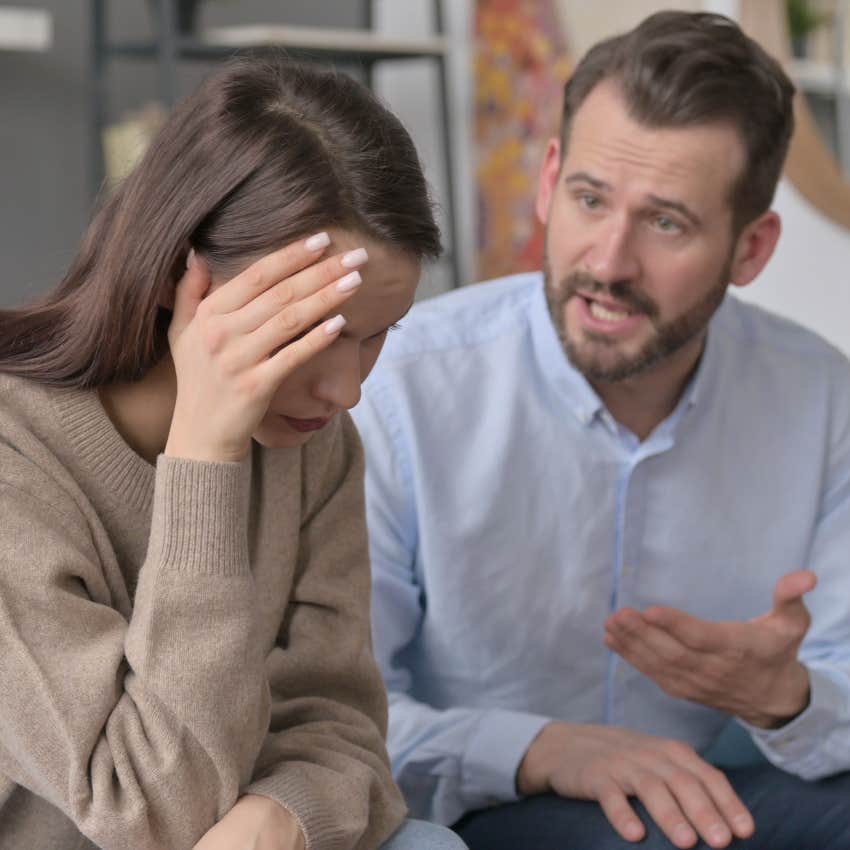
548,180
755,247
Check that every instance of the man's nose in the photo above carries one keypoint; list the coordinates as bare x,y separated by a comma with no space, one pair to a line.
612,256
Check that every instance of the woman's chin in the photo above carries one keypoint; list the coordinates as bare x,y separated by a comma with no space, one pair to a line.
279,436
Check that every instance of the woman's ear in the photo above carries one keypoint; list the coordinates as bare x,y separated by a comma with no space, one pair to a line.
166,299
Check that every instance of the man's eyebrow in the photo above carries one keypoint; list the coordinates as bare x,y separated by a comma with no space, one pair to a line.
584,177
663,203
677,206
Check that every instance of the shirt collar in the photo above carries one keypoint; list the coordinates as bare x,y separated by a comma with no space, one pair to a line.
573,387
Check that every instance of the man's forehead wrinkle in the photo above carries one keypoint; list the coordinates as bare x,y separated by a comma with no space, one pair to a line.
610,151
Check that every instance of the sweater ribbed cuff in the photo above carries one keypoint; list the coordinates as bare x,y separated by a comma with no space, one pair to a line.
199,521
321,827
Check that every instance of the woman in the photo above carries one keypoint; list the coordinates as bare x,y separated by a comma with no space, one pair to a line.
184,630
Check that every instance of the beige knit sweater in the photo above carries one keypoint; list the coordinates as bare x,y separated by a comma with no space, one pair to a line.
172,637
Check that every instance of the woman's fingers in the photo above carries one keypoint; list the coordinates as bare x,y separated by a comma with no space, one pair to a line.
293,321
297,353
188,294
266,272
289,291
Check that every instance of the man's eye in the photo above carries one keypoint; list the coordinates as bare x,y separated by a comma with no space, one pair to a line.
666,224
590,202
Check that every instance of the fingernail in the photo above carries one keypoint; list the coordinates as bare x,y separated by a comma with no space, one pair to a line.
317,242
190,258
683,834
719,835
351,281
354,258
743,823
335,324
634,831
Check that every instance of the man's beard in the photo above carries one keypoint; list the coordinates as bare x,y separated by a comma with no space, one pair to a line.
668,338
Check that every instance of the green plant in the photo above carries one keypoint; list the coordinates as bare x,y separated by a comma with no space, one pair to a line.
802,18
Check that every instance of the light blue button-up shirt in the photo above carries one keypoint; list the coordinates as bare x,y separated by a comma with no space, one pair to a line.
509,514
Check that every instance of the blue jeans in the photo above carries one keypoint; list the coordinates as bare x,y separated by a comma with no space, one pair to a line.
790,814
418,835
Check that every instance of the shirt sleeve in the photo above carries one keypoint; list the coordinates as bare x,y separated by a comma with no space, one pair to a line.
126,725
447,761
816,744
324,758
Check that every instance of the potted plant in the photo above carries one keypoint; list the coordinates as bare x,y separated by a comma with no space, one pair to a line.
802,20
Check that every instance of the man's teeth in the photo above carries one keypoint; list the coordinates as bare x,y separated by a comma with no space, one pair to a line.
600,312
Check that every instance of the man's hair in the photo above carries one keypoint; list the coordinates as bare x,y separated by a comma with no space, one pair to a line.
678,69
264,152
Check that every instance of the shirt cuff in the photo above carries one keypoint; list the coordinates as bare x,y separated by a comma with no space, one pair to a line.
795,746
498,744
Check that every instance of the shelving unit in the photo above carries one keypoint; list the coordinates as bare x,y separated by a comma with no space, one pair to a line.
25,29
832,81
363,48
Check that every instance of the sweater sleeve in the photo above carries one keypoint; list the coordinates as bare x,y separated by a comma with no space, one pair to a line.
324,758
141,732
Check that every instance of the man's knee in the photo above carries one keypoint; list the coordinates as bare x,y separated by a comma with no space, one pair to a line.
419,835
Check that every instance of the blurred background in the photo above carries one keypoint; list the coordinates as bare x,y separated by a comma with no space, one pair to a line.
84,83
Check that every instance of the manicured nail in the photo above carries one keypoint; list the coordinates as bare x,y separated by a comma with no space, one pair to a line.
317,242
190,258
335,324
354,258
351,281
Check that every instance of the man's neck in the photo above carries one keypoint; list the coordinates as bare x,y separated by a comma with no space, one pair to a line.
641,403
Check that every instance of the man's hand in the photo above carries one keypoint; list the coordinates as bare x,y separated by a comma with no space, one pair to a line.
683,794
748,669
254,823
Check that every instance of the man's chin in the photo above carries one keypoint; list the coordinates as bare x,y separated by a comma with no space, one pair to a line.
604,361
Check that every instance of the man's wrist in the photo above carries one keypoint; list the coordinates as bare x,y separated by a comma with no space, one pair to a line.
790,699
532,776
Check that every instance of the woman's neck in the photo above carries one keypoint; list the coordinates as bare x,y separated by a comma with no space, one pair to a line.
142,411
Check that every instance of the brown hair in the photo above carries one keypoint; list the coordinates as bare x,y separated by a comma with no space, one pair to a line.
265,151
677,69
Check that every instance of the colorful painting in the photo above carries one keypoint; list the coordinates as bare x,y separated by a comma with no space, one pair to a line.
520,68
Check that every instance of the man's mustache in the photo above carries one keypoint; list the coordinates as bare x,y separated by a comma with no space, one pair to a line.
625,293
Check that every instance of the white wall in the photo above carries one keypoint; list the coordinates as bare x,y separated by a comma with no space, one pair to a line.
808,278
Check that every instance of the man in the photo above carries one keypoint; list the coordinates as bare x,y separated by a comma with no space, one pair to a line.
597,497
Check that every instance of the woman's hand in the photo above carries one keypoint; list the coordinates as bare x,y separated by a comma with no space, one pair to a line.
232,349
254,823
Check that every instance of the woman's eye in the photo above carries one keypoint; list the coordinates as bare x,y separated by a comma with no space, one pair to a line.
394,327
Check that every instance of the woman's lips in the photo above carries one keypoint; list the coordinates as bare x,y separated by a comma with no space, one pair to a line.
304,425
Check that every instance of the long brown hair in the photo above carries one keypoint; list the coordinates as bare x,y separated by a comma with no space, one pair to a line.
265,151
677,69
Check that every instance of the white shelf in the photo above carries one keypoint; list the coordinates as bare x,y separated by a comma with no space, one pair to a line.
819,77
25,29
323,39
